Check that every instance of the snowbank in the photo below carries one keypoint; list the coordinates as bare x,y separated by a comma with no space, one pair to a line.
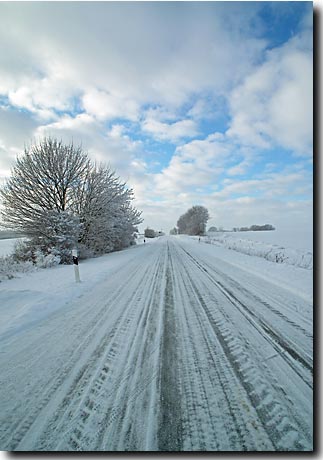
273,252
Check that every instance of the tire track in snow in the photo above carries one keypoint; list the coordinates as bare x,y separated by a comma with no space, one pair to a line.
276,413
15,428
218,414
169,428
172,358
98,404
28,362
289,351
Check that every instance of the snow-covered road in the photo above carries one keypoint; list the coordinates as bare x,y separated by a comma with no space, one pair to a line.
178,349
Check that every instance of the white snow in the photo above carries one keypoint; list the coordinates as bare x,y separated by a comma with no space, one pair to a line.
7,245
167,345
298,238
32,296
290,277
276,246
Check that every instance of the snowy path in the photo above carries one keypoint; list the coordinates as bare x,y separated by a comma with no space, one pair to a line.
174,351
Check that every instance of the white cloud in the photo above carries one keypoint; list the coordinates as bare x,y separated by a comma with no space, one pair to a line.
116,131
240,168
274,105
112,147
16,129
248,210
43,94
168,68
82,122
196,164
170,131
106,106
121,56
287,183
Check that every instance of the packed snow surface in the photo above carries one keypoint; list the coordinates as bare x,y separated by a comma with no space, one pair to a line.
172,345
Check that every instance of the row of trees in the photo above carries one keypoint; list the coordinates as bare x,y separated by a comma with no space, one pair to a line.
254,228
193,222
59,198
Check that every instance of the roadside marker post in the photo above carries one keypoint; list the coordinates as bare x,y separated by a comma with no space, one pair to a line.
76,265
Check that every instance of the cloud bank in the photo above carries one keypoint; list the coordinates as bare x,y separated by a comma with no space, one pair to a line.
191,102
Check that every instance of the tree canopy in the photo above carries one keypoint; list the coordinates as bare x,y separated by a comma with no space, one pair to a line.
59,198
193,222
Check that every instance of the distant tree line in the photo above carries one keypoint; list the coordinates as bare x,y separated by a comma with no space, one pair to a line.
255,228
193,222
60,199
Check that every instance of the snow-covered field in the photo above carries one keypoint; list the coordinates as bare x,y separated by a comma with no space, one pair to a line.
299,238
169,345
7,245
292,248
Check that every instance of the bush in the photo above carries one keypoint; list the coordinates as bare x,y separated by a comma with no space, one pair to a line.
9,267
40,255
46,260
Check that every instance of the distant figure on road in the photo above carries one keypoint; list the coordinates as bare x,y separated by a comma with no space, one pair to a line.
144,240
199,239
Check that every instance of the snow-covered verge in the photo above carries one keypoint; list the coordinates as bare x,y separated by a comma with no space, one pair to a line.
11,268
251,243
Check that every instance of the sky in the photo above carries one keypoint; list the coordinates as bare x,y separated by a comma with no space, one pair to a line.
191,103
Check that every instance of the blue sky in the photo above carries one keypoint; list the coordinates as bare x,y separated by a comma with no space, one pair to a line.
190,102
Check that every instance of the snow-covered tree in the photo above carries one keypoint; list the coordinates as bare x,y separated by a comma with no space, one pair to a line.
193,222
41,185
58,198
150,233
213,229
104,205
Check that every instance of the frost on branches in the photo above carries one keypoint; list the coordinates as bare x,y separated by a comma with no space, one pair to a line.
59,199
